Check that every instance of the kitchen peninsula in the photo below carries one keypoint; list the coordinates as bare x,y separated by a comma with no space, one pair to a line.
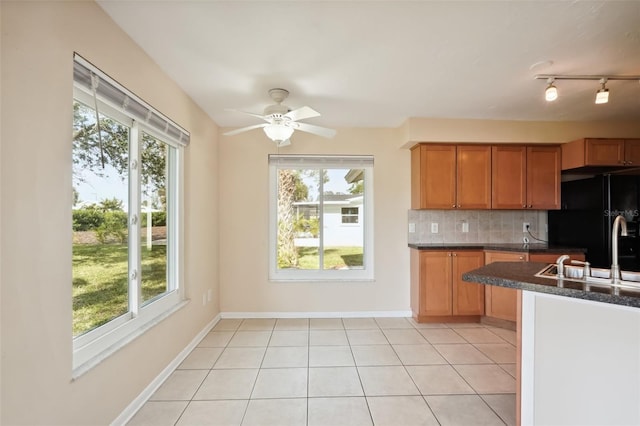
578,347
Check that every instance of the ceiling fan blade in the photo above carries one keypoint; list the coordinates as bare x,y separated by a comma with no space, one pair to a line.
316,130
247,113
302,113
244,129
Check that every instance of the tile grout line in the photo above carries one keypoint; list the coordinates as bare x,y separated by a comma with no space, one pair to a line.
350,344
355,364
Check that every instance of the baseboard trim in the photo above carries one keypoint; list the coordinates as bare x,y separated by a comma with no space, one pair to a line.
140,400
356,314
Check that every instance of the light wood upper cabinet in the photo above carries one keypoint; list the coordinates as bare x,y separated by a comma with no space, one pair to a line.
543,177
632,152
433,176
525,177
601,152
509,172
450,176
473,184
437,290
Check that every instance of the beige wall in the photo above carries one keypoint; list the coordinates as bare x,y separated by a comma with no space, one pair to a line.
500,131
38,41
244,226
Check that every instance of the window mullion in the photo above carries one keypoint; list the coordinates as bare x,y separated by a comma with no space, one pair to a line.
134,219
172,215
321,220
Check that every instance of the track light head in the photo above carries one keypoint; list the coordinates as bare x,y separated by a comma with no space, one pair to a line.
602,95
551,92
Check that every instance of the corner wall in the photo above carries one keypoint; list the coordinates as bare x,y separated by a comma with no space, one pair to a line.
38,41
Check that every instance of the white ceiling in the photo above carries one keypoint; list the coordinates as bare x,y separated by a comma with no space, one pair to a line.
375,64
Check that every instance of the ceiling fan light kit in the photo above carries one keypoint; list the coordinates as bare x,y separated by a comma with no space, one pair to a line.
602,95
278,132
281,121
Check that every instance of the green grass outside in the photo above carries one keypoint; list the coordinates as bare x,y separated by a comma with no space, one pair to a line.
100,276
334,257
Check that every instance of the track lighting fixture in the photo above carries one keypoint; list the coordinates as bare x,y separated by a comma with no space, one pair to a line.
602,95
551,93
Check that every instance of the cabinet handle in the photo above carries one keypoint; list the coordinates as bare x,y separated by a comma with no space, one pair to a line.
530,206
449,254
454,255
453,206
629,162
521,257
524,206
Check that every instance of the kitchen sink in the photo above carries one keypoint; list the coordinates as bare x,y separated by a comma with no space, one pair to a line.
598,276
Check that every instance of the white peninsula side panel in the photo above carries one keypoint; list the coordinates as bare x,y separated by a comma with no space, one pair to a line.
580,362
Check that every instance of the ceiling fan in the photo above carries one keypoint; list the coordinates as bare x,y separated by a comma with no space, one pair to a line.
281,121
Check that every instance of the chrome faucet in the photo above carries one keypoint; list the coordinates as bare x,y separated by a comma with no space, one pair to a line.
560,265
618,223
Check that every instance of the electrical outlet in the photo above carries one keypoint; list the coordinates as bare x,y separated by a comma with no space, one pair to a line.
434,227
412,228
209,295
465,226
525,226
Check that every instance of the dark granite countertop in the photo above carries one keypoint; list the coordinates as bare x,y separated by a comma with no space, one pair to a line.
521,275
522,248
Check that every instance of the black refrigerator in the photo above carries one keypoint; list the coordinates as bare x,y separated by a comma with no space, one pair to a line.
589,207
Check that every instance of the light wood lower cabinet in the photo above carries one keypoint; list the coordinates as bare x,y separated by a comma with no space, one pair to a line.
438,293
501,302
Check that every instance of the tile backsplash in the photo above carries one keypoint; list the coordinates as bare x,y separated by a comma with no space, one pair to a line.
484,226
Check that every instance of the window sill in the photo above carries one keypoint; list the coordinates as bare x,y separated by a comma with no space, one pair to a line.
322,280
125,340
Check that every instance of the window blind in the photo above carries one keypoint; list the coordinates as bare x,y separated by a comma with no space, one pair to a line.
89,78
321,161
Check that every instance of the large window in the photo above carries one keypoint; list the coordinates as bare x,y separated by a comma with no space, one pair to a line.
126,192
321,217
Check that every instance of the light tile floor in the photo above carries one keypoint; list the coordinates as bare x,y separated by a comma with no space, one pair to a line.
351,371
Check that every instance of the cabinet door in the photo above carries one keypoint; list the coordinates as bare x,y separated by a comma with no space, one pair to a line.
501,302
435,277
509,177
543,177
473,189
438,176
468,298
632,152
604,152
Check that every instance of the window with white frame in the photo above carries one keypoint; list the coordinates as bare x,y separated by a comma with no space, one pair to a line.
349,215
312,197
127,167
